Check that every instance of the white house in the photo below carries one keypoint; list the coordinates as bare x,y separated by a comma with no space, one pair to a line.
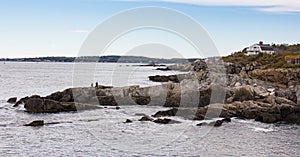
260,48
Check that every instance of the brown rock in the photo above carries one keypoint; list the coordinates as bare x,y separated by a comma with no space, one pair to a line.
226,120
21,101
146,118
268,118
128,121
165,121
171,112
243,93
36,123
12,100
292,118
218,123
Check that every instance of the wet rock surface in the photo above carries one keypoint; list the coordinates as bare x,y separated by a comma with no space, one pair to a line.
165,121
36,123
12,100
146,118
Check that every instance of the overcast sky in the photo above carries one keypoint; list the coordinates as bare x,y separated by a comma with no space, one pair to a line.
30,28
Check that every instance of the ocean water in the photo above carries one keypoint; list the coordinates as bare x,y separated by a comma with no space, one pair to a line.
102,132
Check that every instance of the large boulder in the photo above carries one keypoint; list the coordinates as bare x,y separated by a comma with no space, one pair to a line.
39,105
243,93
42,105
107,101
64,96
289,94
268,118
23,100
188,113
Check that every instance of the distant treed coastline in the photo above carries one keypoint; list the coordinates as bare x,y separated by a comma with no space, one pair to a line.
107,59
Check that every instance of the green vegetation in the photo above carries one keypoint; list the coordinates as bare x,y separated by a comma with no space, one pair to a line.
265,60
287,49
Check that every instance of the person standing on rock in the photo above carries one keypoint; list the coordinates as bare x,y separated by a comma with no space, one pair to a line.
92,84
96,85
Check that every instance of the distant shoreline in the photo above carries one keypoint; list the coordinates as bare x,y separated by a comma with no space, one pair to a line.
104,59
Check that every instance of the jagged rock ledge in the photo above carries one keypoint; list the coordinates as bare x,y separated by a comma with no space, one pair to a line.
266,95
244,101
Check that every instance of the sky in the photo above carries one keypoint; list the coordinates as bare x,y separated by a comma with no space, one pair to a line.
33,28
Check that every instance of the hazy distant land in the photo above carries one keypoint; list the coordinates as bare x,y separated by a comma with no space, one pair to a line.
107,59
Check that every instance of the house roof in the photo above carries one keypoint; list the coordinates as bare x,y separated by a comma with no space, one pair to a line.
266,48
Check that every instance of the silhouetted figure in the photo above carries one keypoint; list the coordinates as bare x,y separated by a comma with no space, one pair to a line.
92,85
96,85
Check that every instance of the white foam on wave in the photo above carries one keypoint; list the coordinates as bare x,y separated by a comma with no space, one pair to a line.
258,129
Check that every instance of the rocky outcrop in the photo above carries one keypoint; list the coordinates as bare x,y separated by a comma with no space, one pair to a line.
165,121
171,78
263,112
164,69
43,105
23,100
290,94
216,123
12,100
146,118
128,121
287,77
36,123
269,96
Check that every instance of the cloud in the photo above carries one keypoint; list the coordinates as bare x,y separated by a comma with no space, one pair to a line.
262,5
79,31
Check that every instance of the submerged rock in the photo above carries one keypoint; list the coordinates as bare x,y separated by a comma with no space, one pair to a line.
146,118
128,121
218,123
36,123
164,69
12,100
215,124
165,121
226,120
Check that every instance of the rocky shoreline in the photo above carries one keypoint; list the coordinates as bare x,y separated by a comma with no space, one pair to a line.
249,92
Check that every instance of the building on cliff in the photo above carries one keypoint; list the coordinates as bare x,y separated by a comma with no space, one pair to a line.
260,48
